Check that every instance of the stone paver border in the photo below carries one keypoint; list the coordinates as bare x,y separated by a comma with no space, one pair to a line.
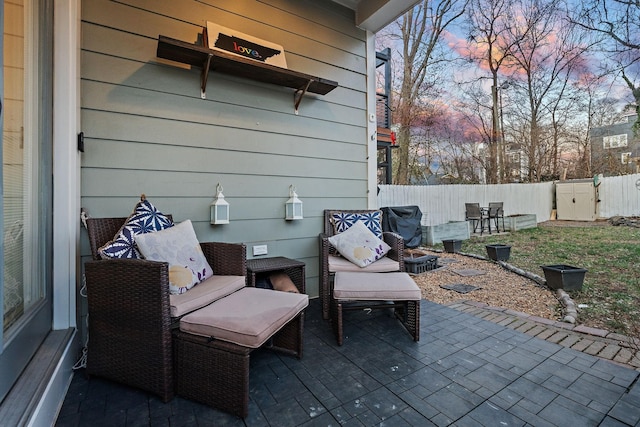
607,345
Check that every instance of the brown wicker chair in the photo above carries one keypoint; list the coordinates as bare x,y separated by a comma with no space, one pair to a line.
326,250
129,313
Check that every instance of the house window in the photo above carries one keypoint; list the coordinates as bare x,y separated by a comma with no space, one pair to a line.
624,158
614,141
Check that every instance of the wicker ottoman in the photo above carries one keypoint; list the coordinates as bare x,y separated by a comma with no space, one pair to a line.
213,345
357,290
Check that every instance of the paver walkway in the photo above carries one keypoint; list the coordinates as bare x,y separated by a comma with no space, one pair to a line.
464,371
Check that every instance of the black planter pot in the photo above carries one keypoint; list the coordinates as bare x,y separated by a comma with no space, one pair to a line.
565,277
498,252
452,246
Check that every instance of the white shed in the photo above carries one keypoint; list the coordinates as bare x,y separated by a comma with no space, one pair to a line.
577,200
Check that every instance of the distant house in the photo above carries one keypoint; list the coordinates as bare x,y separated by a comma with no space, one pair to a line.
615,150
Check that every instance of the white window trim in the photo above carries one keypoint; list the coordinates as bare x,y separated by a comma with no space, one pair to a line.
66,161
614,141
624,158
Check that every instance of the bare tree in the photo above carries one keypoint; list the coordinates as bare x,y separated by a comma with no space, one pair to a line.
600,110
455,141
546,58
489,24
617,24
475,115
419,33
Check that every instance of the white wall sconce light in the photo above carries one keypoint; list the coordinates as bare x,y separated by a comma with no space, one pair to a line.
219,208
293,207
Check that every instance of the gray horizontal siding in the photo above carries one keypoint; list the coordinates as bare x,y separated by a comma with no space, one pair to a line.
148,131
194,114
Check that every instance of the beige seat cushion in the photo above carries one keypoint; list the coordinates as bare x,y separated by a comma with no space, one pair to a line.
248,317
384,264
212,289
350,286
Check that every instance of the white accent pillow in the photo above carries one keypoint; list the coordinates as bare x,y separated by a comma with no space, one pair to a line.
179,247
359,245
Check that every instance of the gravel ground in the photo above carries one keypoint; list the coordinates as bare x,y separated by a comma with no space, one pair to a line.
499,286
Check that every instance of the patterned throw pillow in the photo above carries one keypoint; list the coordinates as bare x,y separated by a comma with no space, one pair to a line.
359,245
179,247
343,220
144,219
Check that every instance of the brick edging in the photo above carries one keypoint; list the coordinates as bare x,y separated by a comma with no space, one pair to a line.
601,343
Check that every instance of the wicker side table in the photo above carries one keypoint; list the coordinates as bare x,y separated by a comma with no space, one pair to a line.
293,268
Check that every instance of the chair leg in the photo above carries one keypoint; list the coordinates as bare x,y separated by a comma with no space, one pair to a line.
409,315
336,319
326,293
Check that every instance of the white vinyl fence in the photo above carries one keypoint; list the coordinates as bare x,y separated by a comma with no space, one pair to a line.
620,195
439,204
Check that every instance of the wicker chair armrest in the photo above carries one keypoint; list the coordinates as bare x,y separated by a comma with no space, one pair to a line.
326,248
397,247
323,249
324,282
323,240
123,291
130,324
226,259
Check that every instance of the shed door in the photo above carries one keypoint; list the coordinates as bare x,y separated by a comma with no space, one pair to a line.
585,201
576,201
565,201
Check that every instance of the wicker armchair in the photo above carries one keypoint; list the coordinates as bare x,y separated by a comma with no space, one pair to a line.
129,311
326,250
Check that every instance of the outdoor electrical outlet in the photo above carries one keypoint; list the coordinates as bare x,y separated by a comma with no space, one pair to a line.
260,250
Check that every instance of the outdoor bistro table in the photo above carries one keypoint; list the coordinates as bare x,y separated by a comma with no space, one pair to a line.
293,268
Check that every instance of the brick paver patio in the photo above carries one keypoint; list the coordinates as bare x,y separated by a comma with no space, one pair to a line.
465,370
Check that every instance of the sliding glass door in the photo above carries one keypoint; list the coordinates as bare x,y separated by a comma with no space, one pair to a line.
25,124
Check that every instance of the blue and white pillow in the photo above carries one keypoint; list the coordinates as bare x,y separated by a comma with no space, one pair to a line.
144,219
342,221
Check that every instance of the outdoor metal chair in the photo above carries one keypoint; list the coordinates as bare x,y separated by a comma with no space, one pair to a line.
479,217
496,214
